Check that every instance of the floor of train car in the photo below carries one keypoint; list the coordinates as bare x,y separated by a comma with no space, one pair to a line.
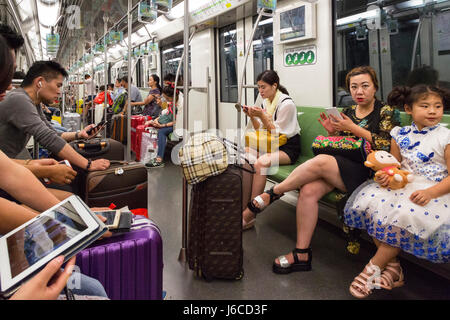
333,268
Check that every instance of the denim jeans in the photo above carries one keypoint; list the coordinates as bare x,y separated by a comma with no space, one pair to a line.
163,133
83,285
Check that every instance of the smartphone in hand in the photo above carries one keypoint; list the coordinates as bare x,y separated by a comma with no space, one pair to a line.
99,125
334,112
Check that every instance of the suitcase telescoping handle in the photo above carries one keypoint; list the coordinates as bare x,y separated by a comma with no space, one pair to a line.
241,155
92,149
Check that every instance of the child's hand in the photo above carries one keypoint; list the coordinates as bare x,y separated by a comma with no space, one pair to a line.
421,197
382,178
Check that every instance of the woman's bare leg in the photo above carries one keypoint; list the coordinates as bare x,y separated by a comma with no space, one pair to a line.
307,215
260,177
322,167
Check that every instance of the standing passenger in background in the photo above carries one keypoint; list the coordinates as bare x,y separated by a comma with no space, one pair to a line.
278,113
118,89
369,119
132,90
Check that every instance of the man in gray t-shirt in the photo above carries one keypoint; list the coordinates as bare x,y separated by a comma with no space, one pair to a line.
21,117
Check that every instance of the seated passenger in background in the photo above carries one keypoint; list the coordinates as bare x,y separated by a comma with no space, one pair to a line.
21,117
44,168
369,119
152,108
164,123
415,218
278,113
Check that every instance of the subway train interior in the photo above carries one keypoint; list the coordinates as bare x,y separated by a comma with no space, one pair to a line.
211,53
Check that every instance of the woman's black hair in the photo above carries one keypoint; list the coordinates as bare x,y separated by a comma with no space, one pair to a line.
7,70
404,95
169,90
156,79
271,77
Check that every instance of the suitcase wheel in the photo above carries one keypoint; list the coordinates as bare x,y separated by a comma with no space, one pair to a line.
240,275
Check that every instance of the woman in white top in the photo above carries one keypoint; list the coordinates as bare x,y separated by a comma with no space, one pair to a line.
279,114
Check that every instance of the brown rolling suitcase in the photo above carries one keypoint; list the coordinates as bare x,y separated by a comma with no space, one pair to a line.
123,184
215,223
119,129
98,148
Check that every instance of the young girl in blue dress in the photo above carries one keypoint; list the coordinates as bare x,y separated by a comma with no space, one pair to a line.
416,218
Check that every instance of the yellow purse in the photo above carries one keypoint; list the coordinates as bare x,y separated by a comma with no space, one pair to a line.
264,141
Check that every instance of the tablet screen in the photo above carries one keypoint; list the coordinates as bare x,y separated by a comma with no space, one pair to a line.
38,239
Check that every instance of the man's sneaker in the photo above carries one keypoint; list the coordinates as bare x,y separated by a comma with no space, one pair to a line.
154,164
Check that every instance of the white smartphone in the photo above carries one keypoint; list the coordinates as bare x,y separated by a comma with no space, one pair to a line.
334,112
112,218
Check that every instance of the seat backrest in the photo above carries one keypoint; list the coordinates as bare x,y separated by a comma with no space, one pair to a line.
311,128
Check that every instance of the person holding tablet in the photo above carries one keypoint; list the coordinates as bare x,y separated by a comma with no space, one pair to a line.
369,119
22,184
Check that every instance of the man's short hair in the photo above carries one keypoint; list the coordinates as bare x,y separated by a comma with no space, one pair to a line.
13,39
125,78
87,76
47,69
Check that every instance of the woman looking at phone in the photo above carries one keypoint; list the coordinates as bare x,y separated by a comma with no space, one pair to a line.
369,119
278,114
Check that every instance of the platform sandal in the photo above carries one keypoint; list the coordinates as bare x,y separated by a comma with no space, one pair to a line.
387,281
251,206
260,201
365,282
285,267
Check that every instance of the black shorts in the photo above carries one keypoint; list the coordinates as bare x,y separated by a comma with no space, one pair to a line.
353,173
292,148
7,196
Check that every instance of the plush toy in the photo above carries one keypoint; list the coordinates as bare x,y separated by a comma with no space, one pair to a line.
384,162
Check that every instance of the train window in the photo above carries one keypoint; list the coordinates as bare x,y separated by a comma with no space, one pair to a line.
228,64
171,57
406,42
262,47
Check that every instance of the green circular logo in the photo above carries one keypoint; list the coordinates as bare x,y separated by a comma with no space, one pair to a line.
310,57
302,58
289,59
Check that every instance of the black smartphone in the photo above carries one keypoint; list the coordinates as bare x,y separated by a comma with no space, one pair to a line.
101,123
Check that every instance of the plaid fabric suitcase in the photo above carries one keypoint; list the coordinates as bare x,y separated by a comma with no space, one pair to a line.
128,265
215,223
124,184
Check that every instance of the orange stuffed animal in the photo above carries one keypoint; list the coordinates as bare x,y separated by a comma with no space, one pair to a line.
384,162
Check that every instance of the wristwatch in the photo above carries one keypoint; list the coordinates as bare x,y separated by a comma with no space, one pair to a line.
76,135
88,165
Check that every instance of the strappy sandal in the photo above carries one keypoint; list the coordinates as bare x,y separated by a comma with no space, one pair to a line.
285,267
260,201
365,282
387,280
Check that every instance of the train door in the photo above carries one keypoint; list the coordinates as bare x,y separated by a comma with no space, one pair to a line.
231,53
230,46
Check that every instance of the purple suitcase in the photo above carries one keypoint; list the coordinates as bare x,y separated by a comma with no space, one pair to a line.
128,265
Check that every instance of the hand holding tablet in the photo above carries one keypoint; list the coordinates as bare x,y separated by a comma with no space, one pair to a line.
64,229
